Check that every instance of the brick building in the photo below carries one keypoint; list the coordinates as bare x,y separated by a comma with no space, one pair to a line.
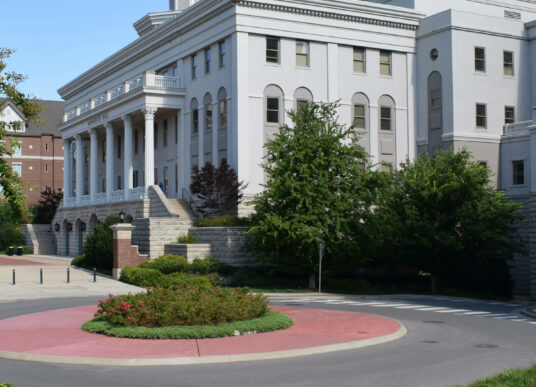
39,159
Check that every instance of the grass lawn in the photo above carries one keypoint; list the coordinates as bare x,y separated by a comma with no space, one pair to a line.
512,378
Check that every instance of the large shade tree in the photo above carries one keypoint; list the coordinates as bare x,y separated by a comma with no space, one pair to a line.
10,184
318,188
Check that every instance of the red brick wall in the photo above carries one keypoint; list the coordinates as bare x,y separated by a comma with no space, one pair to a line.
35,158
126,255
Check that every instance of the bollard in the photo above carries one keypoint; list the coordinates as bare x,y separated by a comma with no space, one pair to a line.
41,276
68,276
10,251
19,251
13,276
94,274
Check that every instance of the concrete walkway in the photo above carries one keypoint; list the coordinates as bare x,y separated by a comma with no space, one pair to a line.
56,337
54,275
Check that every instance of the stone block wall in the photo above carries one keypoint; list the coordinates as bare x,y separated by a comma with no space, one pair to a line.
152,234
228,244
190,251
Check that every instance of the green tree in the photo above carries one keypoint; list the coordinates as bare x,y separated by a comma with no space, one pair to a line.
9,81
318,188
442,216
98,249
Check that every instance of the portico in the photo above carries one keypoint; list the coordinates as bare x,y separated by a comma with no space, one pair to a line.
110,145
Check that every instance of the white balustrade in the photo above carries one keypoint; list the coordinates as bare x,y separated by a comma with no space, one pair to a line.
147,78
138,193
517,128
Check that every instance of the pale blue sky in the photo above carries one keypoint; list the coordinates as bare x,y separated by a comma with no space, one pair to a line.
57,40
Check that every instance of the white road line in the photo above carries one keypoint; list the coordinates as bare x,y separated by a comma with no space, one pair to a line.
506,317
432,309
496,315
452,311
391,305
410,307
532,322
520,319
512,304
475,313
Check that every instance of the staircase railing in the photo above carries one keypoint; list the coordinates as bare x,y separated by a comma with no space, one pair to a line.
51,231
187,196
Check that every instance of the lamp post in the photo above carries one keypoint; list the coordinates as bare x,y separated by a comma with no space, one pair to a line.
122,216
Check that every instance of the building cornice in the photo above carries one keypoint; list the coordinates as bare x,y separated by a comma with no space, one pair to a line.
472,30
205,10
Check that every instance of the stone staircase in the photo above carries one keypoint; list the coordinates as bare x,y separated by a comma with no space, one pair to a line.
40,238
182,208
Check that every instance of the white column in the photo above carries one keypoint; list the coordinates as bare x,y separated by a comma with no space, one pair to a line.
201,138
215,133
374,132
79,168
333,72
127,149
183,152
149,112
66,170
93,156
532,161
109,159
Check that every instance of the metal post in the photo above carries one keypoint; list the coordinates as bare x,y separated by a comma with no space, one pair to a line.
320,251
41,276
94,274
14,277
68,276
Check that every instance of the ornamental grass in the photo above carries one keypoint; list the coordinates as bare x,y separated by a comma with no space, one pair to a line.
183,306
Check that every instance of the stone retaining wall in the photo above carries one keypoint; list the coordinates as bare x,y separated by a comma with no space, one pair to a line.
152,234
190,251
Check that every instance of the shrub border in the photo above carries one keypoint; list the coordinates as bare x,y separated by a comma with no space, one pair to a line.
271,321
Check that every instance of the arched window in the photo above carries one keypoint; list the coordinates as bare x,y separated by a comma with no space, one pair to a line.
207,103
387,113
222,108
360,111
302,97
435,104
273,105
194,108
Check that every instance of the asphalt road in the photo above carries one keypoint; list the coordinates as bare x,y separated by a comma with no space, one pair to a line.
443,347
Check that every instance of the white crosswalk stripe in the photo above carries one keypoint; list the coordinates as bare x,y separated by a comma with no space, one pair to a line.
452,311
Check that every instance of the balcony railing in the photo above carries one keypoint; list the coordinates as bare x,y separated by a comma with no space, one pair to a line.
517,128
146,79
138,193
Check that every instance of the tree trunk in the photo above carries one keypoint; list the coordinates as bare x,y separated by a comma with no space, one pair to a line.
433,284
312,281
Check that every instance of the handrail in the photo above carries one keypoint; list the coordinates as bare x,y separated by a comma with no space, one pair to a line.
51,230
191,202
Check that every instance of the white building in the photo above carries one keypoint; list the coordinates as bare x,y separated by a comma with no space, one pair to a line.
212,79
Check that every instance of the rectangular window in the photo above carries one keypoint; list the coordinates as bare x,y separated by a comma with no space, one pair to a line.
195,121
17,150
518,172
509,115
359,116
103,151
176,129
118,147
385,118
176,178
135,141
480,59
194,66
481,117
155,137
302,53
174,70
46,168
155,176
208,63
386,167
272,50
135,179
272,110
17,168
164,133
508,58
301,104
46,147
386,63
221,53
119,182
360,60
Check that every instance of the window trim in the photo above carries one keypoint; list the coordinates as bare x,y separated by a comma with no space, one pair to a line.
477,60
208,60
19,165
221,54
382,119
195,122
513,109
363,61
270,50
516,173
194,64
389,63
355,117
267,122
307,54
505,63
485,116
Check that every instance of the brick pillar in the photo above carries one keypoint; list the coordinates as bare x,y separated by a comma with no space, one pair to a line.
125,255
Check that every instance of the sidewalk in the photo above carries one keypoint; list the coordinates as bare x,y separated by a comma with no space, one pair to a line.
28,284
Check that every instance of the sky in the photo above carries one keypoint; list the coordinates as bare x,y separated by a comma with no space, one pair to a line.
57,40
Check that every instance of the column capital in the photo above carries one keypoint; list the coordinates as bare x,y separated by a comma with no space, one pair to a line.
148,112
109,127
93,132
65,142
127,119
78,138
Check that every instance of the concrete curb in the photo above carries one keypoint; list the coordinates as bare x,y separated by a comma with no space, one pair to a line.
402,331
529,312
